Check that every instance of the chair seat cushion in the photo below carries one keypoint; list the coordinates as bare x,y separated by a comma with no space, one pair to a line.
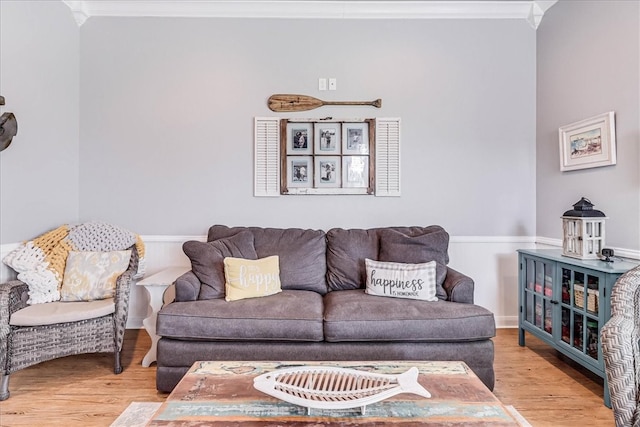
61,312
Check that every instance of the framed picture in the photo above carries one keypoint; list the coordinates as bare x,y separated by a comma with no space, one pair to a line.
327,157
355,171
355,138
589,143
327,138
299,138
327,171
299,171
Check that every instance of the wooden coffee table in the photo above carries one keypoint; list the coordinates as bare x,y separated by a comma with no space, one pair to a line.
222,394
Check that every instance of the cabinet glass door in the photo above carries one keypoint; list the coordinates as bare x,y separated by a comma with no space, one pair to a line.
538,293
580,314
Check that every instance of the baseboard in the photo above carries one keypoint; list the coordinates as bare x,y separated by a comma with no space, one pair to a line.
135,322
506,322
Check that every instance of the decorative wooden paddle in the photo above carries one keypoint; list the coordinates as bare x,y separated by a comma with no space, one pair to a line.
285,102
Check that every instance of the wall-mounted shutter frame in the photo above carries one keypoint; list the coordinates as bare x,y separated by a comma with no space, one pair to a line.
388,157
267,157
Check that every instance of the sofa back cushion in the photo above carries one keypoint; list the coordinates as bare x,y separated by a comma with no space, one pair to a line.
416,249
208,266
347,250
302,253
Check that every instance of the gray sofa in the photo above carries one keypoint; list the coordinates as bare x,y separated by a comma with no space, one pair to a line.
323,312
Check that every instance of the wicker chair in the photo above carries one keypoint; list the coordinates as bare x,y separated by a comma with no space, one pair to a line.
23,346
620,349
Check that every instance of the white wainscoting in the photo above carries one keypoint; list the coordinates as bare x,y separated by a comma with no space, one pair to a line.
6,273
491,261
161,252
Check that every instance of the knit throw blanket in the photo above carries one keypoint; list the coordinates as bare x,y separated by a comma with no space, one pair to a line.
40,262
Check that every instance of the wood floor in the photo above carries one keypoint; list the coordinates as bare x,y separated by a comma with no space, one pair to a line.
547,389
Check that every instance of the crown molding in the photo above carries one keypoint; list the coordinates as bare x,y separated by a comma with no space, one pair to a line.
530,10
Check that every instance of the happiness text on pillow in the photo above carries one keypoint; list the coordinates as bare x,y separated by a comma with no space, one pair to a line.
395,286
253,277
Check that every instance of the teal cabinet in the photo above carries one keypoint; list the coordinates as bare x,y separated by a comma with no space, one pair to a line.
565,301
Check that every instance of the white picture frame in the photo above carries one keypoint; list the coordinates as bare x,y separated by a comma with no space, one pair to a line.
300,171
299,138
355,138
327,137
359,174
327,171
588,143
355,171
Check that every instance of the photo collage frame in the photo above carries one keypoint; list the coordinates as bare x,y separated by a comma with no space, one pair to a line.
327,157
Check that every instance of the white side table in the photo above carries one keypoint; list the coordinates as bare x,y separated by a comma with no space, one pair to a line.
156,285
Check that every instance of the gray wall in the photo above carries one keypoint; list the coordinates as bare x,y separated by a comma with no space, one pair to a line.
167,108
39,74
588,63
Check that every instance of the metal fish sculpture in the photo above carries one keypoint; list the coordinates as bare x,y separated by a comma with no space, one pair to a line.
323,387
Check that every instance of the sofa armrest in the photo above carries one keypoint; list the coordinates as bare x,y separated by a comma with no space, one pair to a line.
187,287
458,286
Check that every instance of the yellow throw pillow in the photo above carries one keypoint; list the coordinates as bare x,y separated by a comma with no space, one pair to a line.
92,276
251,278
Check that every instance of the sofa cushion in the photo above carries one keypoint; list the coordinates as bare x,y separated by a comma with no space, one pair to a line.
346,252
352,315
432,245
247,278
207,261
401,280
291,315
301,252
347,249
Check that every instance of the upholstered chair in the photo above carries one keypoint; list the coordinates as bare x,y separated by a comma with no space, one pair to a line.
620,349
34,333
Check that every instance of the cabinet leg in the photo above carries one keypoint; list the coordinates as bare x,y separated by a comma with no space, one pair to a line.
521,337
607,395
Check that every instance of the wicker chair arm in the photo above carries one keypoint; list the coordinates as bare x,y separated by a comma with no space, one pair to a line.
121,299
13,297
